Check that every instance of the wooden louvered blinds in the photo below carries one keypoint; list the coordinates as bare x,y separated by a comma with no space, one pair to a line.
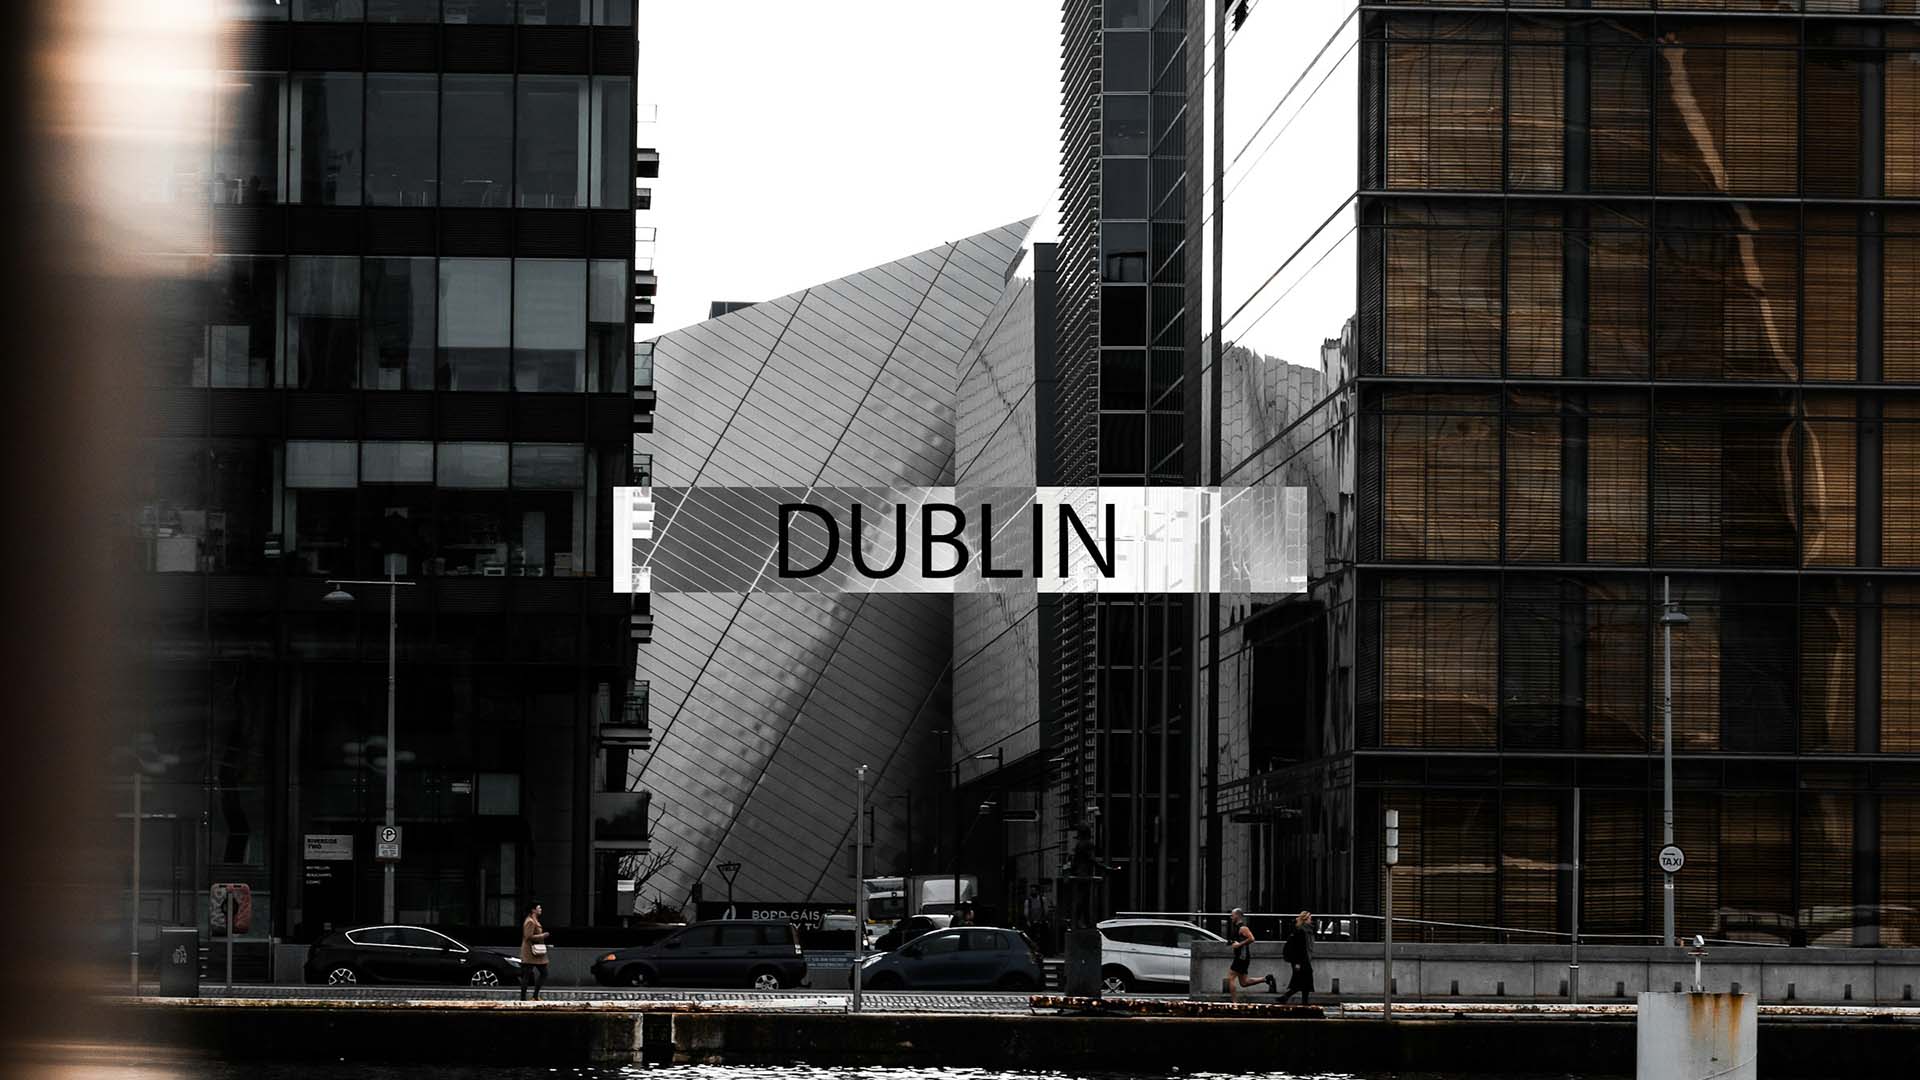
1536,107
1448,864
1530,863
1534,321
1532,494
1443,116
1727,304
1829,448
1619,88
1825,870
1696,828
1831,346
1756,863
1729,116
1902,172
1900,670
1441,478
1613,864
1828,635
1900,484
1617,629
1438,662
1443,301
1900,302
1900,871
1833,123
1617,480
1617,323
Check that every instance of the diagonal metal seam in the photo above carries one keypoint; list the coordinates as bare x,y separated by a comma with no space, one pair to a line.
633,783
852,418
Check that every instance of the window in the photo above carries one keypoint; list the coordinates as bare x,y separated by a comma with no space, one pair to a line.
321,464
328,10
398,308
613,12
553,140
403,120
1126,14
612,141
473,510
474,313
1123,379
937,944
396,462
1123,124
243,340
476,139
699,937
376,935
1729,117
548,530
555,12
323,322
1443,302
403,10
320,500
1123,251
479,11
1438,664
472,465
249,116
1443,116
739,936
324,165
1123,62
549,325
413,937
607,335
396,509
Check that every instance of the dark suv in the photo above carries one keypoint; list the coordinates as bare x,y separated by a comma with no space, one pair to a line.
405,954
764,955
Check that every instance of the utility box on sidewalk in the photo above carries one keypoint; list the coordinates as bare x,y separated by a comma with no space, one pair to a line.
1081,976
180,961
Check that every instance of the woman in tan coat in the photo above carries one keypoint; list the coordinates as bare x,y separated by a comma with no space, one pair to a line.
533,953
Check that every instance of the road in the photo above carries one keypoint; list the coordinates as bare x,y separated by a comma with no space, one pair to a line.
797,1000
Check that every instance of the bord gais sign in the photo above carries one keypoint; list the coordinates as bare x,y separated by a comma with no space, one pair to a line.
958,540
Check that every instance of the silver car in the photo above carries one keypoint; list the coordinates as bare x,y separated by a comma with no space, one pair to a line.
1147,953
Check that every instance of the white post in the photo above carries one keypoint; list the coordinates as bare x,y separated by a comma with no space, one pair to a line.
1666,756
228,900
859,881
133,957
1386,966
1573,969
393,751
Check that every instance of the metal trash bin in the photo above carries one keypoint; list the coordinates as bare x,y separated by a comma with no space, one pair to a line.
179,961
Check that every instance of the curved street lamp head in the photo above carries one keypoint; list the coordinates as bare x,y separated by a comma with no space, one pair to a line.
1673,616
339,597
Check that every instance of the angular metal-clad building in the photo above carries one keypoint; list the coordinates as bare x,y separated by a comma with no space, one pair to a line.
763,703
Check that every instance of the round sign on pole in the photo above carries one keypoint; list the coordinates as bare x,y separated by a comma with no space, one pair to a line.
1672,859
389,834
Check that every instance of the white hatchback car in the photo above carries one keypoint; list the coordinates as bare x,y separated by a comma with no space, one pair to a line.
1147,953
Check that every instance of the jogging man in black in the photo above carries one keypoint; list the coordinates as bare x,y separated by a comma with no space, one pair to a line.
1241,935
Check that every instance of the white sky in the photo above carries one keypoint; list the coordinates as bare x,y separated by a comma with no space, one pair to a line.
800,142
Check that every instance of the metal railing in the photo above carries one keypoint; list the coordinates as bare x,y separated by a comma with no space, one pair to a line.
1338,924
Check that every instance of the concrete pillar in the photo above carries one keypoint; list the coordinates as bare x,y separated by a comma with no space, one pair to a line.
1081,976
1698,1035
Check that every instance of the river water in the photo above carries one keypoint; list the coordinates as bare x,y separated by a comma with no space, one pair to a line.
135,1069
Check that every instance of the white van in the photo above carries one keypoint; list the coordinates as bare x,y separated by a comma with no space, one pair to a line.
1148,953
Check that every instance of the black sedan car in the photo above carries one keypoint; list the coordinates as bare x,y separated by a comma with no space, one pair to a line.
958,958
761,954
405,954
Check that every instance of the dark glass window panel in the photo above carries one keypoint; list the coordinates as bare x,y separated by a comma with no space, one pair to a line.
325,141
474,465
1834,119
613,12
398,306
1123,379
249,119
1123,62
403,120
1126,14
1123,252
550,325
1123,315
472,534
1123,124
1902,149
1727,305
177,318
477,11
476,140
608,338
1168,366
1729,117
1123,188
323,322
552,139
555,12
243,324
1825,869
1123,444
403,10
1828,677
320,528
1616,662
1900,309
1530,861
1900,487
475,309
329,10
612,141
1828,471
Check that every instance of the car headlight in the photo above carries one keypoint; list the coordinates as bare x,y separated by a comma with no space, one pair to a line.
872,960
609,958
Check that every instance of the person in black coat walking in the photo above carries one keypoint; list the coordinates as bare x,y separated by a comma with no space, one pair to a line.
1298,951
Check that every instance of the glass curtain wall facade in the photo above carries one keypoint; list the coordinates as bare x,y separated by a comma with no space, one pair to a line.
1125,417
406,334
1633,307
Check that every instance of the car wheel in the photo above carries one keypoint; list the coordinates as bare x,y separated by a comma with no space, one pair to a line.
765,980
1016,982
637,976
1115,980
342,976
485,977
886,980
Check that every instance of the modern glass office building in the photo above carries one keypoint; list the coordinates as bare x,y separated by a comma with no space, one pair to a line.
403,343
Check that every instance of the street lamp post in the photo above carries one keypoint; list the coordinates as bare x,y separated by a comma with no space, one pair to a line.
859,883
907,797
998,757
1670,617
729,871
340,597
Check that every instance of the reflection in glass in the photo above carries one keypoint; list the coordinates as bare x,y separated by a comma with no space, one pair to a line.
1123,122
325,141
396,462
398,306
553,140
319,504
478,11
607,334
1126,14
613,12
471,465
549,325
323,322
1123,188
243,341
473,531
249,114
474,313
403,10
402,122
612,141
476,140
176,298
548,525
328,10
555,12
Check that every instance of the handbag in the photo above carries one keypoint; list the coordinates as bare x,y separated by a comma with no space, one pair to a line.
539,949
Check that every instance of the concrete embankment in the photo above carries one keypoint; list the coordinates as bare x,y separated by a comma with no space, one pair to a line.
557,1035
